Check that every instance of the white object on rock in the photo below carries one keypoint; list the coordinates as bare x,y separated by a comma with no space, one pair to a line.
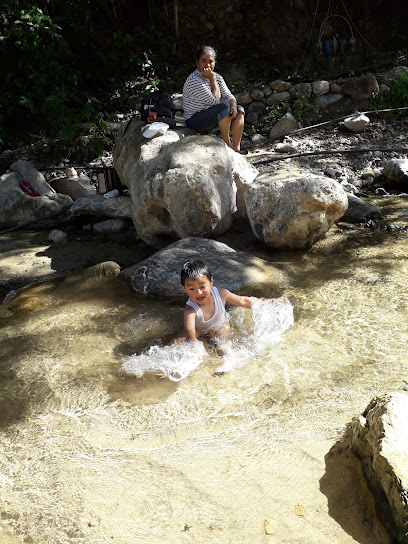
111,194
155,129
57,236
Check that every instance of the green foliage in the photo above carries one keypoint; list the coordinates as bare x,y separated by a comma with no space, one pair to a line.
49,60
274,113
396,97
303,110
236,85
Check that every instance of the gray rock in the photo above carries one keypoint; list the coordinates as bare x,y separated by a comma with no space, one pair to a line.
335,88
267,91
119,207
243,99
279,85
233,270
320,88
379,439
288,210
384,88
328,100
361,89
285,148
252,118
179,186
18,208
277,98
258,139
73,187
357,123
256,107
57,236
32,176
359,211
396,170
391,75
302,89
285,125
110,225
257,95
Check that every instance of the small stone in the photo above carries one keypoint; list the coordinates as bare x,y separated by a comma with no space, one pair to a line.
285,148
270,526
258,138
357,123
57,236
279,85
257,95
299,510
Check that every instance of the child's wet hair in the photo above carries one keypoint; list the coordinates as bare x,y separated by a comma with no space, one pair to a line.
193,270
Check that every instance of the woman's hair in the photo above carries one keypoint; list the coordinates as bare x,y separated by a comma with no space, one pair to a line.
206,48
193,270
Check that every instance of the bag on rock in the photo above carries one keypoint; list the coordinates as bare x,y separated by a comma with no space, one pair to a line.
157,106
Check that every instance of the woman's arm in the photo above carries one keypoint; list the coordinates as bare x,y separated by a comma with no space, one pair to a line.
209,74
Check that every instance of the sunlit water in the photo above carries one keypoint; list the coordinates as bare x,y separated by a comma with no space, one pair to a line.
90,455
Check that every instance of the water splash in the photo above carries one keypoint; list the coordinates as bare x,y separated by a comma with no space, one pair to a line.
175,362
269,321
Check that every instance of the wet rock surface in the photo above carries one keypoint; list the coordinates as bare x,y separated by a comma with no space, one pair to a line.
379,438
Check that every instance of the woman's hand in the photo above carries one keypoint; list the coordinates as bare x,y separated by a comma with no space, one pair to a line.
208,73
233,109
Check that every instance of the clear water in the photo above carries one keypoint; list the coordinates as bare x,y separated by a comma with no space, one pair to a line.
89,455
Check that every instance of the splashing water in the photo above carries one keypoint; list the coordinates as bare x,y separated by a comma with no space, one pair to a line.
269,322
175,362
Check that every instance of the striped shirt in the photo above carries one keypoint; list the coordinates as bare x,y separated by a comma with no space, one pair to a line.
197,93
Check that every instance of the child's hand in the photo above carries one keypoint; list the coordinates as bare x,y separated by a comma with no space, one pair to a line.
280,299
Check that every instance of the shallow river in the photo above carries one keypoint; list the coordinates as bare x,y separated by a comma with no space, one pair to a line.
88,455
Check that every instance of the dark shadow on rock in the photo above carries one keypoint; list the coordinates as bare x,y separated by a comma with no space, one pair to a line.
350,503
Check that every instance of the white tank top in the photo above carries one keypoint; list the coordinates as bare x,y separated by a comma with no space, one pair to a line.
218,318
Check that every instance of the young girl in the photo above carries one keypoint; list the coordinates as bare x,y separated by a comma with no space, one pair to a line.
205,309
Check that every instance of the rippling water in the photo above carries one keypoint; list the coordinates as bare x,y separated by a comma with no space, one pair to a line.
92,456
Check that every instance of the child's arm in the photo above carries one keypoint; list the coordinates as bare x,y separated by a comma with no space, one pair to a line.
189,324
244,302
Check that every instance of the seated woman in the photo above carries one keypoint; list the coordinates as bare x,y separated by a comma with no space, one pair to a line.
208,102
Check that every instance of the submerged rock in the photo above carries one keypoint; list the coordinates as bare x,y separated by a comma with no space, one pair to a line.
359,211
379,438
160,273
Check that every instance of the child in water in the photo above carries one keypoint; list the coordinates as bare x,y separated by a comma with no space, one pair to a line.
205,309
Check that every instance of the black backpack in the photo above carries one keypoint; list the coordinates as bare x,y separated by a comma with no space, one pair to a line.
159,105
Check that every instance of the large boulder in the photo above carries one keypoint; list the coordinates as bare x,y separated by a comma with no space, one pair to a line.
17,207
362,89
119,207
379,438
293,210
233,270
180,185
75,187
396,170
286,124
